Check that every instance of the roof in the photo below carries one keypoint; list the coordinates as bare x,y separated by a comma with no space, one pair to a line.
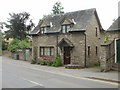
65,42
79,18
115,26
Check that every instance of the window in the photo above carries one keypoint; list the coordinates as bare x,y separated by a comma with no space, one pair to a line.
65,28
88,51
51,51
96,50
46,51
42,51
96,32
43,30
68,27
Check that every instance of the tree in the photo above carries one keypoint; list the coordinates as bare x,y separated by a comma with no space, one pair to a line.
1,25
57,8
18,27
18,44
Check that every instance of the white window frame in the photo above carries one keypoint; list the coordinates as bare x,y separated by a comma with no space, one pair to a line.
45,51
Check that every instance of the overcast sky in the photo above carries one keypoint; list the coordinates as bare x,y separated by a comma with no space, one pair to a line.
107,9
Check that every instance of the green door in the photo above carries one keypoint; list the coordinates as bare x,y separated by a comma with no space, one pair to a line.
118,50
27,54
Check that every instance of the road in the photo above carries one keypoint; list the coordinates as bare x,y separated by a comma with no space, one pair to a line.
21,74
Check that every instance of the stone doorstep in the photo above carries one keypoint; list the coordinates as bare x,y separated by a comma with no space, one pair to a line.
103,79
70,66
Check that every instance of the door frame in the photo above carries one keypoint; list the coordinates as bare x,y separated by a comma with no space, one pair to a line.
65,54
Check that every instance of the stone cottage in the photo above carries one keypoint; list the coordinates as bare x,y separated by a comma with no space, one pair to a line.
110,48
73,35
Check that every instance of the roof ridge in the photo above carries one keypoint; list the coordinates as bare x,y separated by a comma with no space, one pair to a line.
68,13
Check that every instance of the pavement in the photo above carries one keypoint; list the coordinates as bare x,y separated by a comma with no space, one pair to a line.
91,73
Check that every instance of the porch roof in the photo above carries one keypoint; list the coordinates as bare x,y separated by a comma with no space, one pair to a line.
65,42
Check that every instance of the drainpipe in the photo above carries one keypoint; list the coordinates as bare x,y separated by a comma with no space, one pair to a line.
57,43
85,52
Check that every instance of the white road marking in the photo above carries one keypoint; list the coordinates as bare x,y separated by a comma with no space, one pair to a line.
34,82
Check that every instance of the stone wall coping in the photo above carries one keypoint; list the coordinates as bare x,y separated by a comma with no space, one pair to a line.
107,43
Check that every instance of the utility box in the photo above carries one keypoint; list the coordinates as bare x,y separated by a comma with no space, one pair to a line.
16,56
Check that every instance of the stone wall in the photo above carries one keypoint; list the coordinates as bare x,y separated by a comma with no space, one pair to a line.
20,52
93,41
107,56
112,35
78,51
78,40
6,53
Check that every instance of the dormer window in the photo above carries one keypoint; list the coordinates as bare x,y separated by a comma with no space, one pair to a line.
44,27
65,28
43,30
66,24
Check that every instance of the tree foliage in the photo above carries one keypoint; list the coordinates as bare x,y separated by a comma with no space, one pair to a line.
13,46
4,45
18,44
19,25
57,8
24,44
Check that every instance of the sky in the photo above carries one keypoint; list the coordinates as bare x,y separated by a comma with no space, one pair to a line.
107,9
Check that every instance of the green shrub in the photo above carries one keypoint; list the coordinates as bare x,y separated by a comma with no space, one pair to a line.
106,38
4,45
24,44
13,46
33,62
38,62
97,63
49,63
57,62
43,62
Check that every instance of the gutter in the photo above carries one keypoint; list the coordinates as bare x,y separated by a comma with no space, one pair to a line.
113,30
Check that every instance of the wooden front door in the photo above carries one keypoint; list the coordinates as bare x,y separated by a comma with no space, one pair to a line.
66,55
